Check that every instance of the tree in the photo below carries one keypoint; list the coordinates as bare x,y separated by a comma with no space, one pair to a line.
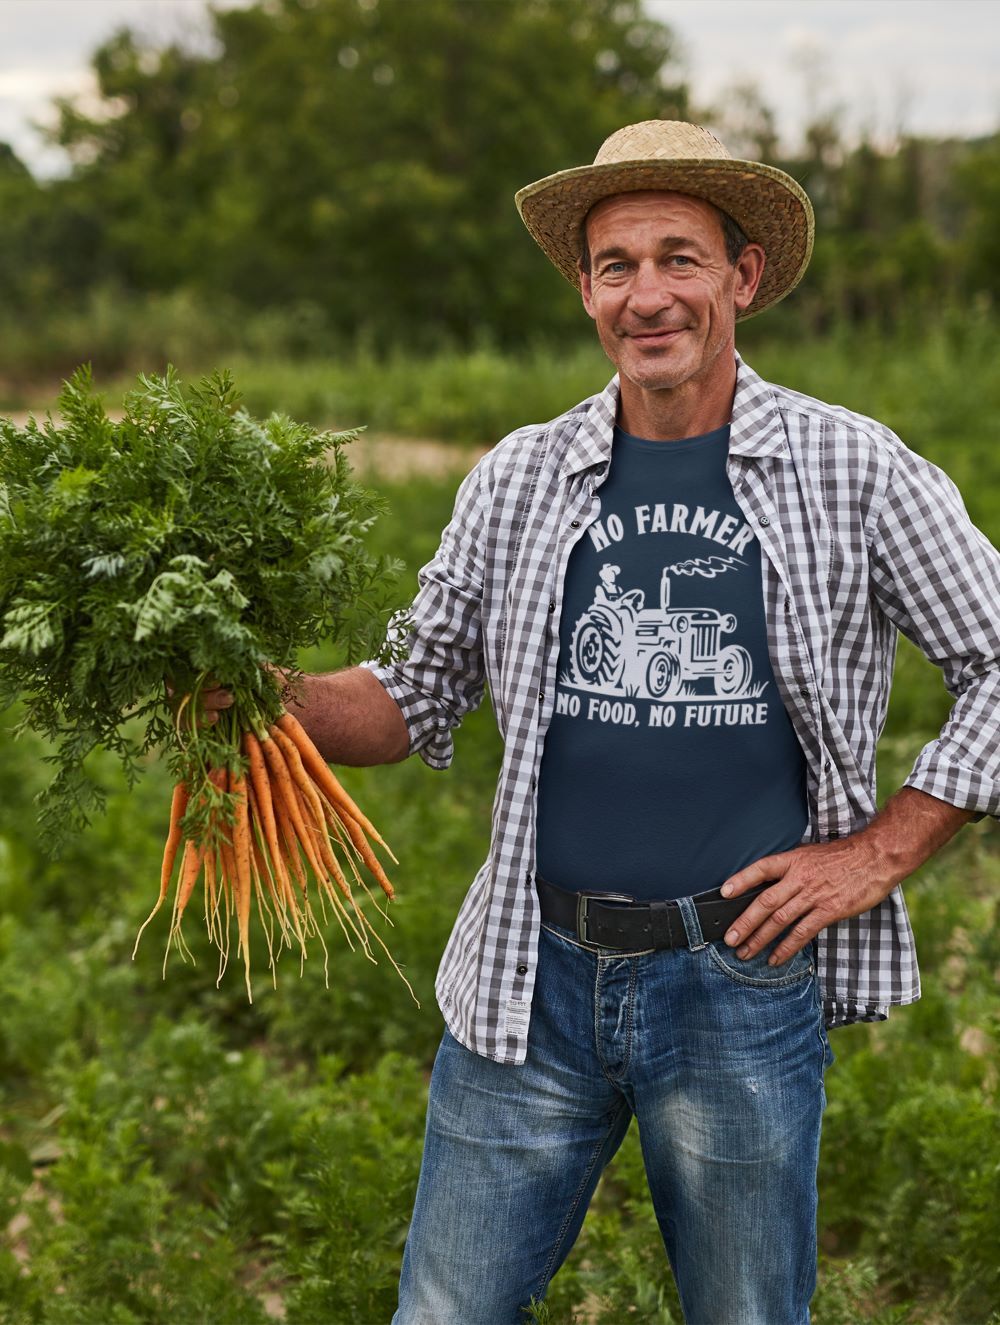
978,178
362,155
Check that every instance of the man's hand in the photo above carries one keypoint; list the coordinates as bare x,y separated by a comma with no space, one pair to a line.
212,700
814,886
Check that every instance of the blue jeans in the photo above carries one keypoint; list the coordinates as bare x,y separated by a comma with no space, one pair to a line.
721,1061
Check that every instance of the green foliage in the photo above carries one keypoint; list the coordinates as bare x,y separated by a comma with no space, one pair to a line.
470,395
978,182
345,1212
188,541
357,159
917,1099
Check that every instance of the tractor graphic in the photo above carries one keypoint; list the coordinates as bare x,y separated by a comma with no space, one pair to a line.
619,646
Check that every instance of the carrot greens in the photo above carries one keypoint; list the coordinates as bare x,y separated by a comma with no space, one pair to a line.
193,542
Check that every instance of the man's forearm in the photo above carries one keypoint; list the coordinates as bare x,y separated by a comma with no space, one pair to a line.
909,828
350,717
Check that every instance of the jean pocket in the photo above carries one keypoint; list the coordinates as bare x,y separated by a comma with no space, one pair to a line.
755,971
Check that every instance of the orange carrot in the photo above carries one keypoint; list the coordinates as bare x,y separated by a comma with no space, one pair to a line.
191,863
281,780
323,775
271,904
364,850
242,882
264,829
268,827
295,816
316,818
190,869
178,805
291,859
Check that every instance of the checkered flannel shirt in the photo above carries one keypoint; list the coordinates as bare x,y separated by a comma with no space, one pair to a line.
861,538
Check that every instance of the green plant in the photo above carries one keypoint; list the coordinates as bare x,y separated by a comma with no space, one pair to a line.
188,541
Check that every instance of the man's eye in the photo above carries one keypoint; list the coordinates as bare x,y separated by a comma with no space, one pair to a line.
614,268
682,260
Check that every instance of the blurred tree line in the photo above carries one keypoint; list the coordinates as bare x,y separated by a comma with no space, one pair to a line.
336,170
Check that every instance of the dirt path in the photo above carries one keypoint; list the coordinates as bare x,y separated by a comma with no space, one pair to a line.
385,456
405,457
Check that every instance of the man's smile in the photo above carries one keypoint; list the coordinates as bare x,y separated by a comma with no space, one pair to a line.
654,338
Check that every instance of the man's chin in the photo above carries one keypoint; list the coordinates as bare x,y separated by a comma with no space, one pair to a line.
657,377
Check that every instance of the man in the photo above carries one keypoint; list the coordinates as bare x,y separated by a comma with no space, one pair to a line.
687,880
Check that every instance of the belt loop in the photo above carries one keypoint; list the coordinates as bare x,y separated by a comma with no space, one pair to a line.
692,925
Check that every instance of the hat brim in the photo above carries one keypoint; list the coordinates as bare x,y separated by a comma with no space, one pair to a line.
771,208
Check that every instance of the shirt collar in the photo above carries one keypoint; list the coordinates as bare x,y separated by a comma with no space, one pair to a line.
756,428
590,445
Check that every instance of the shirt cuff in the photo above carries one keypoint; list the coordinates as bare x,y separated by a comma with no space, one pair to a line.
430,736
954,783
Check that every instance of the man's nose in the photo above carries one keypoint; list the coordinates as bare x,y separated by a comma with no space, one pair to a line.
650,291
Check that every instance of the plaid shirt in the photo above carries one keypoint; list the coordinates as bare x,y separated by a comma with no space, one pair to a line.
861,538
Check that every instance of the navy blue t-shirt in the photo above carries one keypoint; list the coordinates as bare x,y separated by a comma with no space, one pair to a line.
670,761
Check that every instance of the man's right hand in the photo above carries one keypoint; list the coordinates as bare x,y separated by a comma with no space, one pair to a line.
213,700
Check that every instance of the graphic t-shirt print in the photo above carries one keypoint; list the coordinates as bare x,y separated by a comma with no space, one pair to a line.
671,648
665,689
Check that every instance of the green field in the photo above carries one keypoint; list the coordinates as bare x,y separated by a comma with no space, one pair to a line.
170,1155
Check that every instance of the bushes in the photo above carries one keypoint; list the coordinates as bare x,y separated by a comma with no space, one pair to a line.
183,1168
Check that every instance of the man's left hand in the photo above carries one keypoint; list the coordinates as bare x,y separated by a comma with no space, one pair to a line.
813,886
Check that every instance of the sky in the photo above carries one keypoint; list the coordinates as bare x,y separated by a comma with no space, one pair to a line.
926,66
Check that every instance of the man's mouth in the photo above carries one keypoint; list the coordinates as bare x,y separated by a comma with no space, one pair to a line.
659,336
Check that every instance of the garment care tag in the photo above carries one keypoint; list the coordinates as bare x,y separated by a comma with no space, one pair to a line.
518,1016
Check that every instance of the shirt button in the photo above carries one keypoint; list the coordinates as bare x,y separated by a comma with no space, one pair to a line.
764,521
552,607
574,524
541,694
833,833
522,969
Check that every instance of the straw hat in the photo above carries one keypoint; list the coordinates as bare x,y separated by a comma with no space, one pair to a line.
770,207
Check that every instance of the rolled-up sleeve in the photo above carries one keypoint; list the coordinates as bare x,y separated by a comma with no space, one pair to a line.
937,578
443,675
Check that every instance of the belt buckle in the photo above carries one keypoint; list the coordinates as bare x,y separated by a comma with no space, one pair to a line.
582,913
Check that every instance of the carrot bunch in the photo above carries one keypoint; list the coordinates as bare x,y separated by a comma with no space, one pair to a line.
276,828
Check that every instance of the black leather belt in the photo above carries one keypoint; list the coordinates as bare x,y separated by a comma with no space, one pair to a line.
615,920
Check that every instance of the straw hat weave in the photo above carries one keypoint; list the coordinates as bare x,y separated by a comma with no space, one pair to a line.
772,209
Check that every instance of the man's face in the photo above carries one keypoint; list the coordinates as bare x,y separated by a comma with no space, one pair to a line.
661,290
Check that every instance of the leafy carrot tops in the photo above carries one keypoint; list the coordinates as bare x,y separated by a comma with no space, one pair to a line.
188,541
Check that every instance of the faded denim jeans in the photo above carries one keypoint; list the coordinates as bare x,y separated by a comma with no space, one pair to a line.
722,1063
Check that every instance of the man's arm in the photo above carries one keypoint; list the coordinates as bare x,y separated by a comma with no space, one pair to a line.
348,715
814,886
937,579
350,718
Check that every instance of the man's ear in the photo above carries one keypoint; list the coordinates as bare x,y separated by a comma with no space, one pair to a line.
749,270
587,292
